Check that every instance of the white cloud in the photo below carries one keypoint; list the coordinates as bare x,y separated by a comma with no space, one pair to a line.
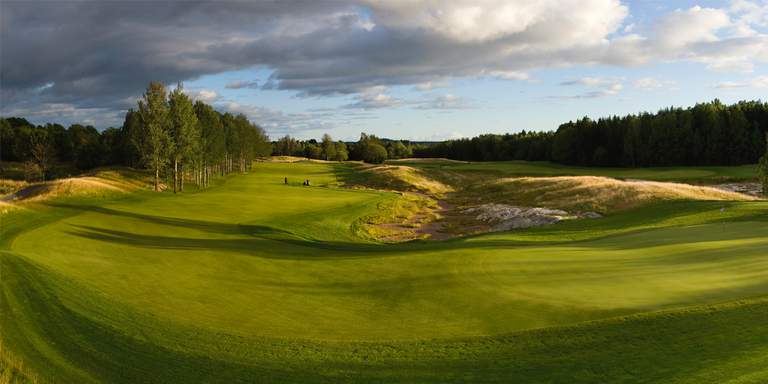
444,102
278,123
757,82
652,83
430,85
472,21
719,38
204,95
730,84
600,87
750,12
240,84
506,75
374,98
696,24
67,113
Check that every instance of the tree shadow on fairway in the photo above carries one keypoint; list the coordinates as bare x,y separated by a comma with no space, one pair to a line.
200,225
703,344
266,246
719,230
261,236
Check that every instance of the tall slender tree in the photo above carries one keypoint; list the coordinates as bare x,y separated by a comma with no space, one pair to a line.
185,132
154,142
42,150
329,147
763,168
212,140
341,151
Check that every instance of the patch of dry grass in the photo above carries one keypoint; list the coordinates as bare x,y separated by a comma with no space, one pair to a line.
403,178
13,370
10,186
124,178
431,160
601,194
295,159
399,219
100,182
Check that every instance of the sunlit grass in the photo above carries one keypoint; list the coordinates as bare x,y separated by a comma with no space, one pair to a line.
255,280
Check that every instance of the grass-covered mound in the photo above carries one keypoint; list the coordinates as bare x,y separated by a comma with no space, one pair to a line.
597,193
694,174
98,183
257,281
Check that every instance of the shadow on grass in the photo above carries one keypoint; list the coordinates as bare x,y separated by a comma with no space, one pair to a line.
263,238
200,225
673,346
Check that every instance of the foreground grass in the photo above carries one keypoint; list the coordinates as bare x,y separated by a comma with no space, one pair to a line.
254,280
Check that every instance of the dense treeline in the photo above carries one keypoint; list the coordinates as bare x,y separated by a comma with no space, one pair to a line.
169,134
369,148
180,140
531,146
706,134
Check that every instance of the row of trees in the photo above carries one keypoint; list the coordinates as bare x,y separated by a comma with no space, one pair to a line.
326,149
168,133
706,134
531,146
53,150
369,148
172,134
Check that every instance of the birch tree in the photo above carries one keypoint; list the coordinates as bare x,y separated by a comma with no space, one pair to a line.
154,141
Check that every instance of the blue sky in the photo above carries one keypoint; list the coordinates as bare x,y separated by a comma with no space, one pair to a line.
420,70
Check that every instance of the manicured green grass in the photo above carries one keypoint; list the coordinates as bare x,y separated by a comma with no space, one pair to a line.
540,168
257,281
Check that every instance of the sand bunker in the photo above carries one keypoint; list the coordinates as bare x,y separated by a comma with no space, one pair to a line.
503,217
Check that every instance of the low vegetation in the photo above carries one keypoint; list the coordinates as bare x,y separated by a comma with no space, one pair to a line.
397,178
594,193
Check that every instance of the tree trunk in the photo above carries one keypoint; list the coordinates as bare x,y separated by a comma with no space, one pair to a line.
175,174
181,182
157,178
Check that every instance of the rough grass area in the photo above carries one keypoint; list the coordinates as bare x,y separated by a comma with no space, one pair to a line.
593,193
254,280
98,183
396,178
13,370
696,174
8,186
399,219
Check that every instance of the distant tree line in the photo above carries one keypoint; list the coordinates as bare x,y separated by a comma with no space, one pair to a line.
369,148
168,134
705,134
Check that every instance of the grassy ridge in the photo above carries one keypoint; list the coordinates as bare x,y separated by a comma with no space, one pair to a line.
699,174
255,280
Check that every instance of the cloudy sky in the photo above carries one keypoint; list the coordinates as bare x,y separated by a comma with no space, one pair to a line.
415,69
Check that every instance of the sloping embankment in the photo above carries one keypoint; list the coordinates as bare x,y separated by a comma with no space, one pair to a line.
600,194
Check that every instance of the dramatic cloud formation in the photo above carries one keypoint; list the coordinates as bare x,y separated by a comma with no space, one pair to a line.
94,58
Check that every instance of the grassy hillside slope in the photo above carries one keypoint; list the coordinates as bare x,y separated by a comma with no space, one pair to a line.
697,174
254,280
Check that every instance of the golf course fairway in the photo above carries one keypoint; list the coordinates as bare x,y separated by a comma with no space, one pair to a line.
253,280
